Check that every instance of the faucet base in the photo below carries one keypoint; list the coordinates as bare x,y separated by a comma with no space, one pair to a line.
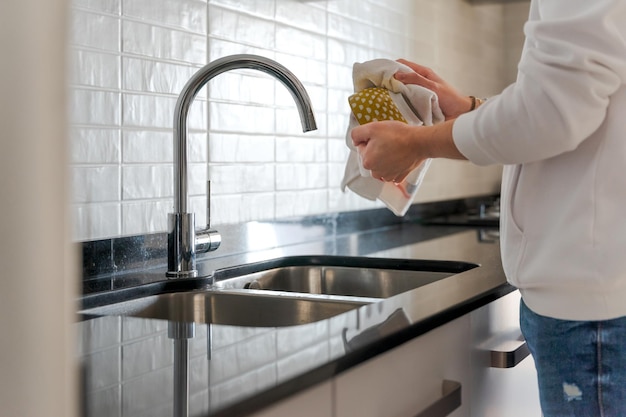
182,274
181,260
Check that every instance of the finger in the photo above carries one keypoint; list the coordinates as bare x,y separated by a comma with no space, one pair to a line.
413,78
360,135
425,72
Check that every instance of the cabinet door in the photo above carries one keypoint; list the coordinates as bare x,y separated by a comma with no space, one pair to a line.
501,391
408,379
314,402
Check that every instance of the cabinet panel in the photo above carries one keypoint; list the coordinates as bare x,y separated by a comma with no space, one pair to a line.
407,379
500,392
314,402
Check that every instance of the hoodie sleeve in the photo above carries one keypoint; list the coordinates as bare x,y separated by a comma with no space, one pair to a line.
574,59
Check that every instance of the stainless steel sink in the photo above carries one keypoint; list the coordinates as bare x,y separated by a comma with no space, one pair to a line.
235,309
367,277
283,292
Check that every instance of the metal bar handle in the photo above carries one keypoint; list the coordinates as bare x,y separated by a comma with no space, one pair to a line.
449,401
510,358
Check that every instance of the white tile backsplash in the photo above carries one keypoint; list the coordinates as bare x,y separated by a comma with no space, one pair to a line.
94,108
129,60
95,146
189,15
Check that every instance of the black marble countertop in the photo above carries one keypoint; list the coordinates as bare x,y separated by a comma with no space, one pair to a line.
128,366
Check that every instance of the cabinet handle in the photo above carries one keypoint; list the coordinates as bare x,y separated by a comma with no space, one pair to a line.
450,401
509,358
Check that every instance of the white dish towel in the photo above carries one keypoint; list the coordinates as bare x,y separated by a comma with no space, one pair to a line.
418,105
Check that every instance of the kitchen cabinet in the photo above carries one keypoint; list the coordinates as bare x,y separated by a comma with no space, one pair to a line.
408,379
501,391
313,402
402,382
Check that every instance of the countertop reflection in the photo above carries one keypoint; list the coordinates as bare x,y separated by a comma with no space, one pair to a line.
129,364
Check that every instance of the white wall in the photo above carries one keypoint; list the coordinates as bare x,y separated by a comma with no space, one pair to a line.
37,278
130,59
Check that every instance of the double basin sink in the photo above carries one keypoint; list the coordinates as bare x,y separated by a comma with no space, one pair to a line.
287,291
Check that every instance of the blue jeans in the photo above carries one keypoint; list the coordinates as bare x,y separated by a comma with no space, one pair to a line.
581,365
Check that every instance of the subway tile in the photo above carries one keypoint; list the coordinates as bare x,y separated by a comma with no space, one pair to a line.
240,118
293,41
301,203
145,216
300,176
152,181
296,363
338,123
242,28
198,404
152,146
96,184
338,100
347,29
340,76
308,70
104,402
94,69
300,149
161,410
198,375
219,48
152,111
303,15
102,369
335,174
232,147
144,146
150,76
249,86
245,356
238,208
163,43
294,339
288,123
263,8
357,10
96,221
184,14
146,355
95,30
105,6
338,151
250,383
93,337
240,178
95,146
97,108
133,328
198,343
224,336
149,391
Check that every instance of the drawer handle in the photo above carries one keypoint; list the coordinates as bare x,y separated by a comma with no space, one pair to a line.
449,401
510,358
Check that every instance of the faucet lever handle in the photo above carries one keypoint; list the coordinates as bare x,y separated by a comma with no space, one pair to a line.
207,240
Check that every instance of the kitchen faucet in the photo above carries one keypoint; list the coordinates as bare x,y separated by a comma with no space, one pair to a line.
183,240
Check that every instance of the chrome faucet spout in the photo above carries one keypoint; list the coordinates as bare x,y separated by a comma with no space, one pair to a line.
183,240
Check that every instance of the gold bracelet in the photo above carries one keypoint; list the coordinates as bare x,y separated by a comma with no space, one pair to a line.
476,102
473,106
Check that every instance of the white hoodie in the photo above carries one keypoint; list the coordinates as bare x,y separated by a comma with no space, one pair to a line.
560,131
